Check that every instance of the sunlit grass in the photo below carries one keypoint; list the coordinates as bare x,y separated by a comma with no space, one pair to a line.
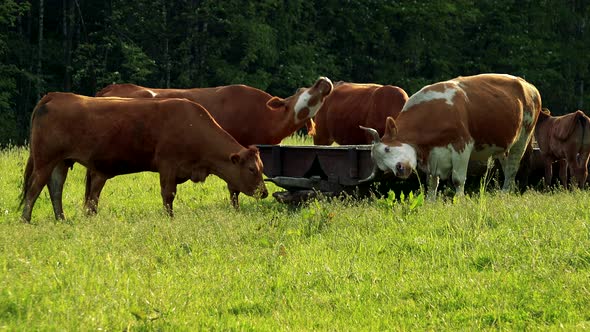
511,262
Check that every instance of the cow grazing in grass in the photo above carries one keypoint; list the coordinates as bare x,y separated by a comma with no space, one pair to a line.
444,125
111,136
250,115
565,139
351,105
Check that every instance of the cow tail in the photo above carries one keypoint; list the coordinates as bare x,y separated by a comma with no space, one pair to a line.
26,180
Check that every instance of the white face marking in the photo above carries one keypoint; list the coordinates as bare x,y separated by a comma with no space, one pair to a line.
387,157
302,102
424,96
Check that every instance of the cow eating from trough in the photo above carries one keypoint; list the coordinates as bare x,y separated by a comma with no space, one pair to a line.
446,124
565,139
351,105
112,136
250,115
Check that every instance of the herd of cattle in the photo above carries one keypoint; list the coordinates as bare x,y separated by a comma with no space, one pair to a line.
190,133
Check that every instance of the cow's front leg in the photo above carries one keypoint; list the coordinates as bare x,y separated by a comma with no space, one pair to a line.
563,166
233,196
168,191
459,162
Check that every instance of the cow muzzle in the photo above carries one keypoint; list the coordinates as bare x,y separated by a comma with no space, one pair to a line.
402,170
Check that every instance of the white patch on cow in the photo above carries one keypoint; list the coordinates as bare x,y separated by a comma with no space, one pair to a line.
527,119
303,102
424,96
439,161
152,93
387,157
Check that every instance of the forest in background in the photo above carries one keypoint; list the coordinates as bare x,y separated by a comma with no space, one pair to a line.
280,45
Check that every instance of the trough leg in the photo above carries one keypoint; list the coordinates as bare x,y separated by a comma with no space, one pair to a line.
233,196
56,188
94,183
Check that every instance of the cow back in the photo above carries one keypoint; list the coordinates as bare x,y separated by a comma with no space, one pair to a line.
353,104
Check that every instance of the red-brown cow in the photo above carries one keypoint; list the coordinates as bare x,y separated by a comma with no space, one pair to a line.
111,136
565,138
250,115
444,125
351,105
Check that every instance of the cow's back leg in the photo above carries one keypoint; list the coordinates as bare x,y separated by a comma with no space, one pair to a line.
95,182
56,187
39,178
511,162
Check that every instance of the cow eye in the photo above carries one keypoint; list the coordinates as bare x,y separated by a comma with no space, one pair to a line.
387,149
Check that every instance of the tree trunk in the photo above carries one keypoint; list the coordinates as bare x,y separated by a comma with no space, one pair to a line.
166,50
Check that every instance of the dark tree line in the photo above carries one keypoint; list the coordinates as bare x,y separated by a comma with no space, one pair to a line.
280,45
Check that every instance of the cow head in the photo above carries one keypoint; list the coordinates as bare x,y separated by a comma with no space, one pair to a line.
306,102
391,155
248,175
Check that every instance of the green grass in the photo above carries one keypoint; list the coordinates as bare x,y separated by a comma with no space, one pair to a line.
509,262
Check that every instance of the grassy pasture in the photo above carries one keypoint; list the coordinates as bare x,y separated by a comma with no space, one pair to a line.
489,261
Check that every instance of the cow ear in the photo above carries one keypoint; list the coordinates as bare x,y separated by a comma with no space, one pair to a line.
275,103
390,127
235,158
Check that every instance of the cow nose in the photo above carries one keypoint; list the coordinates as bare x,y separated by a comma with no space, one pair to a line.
399,168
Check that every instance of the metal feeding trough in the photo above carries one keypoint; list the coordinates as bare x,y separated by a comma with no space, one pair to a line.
305,171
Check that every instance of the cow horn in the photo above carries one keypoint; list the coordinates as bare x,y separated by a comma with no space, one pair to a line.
374,133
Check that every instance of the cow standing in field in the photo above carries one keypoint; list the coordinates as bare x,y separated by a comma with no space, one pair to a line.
444,125
250,115
565,139
351,105
111,136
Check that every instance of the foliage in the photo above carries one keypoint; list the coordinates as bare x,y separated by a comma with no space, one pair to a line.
280,46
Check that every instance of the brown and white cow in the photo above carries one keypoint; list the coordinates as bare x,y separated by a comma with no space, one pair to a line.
565,138
111,136
351,105
444,125
250,115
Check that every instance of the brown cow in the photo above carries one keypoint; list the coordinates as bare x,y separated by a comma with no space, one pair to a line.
352,104
565,138
111,136
444,125
250,115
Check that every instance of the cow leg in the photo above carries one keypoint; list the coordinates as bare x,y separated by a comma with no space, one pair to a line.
459,162
94,183
38,180
563,166
581,162
548,172
511,162
168,191
56,188
233,196
432,186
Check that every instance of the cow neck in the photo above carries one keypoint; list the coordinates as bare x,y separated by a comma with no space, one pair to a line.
220,157
285,124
